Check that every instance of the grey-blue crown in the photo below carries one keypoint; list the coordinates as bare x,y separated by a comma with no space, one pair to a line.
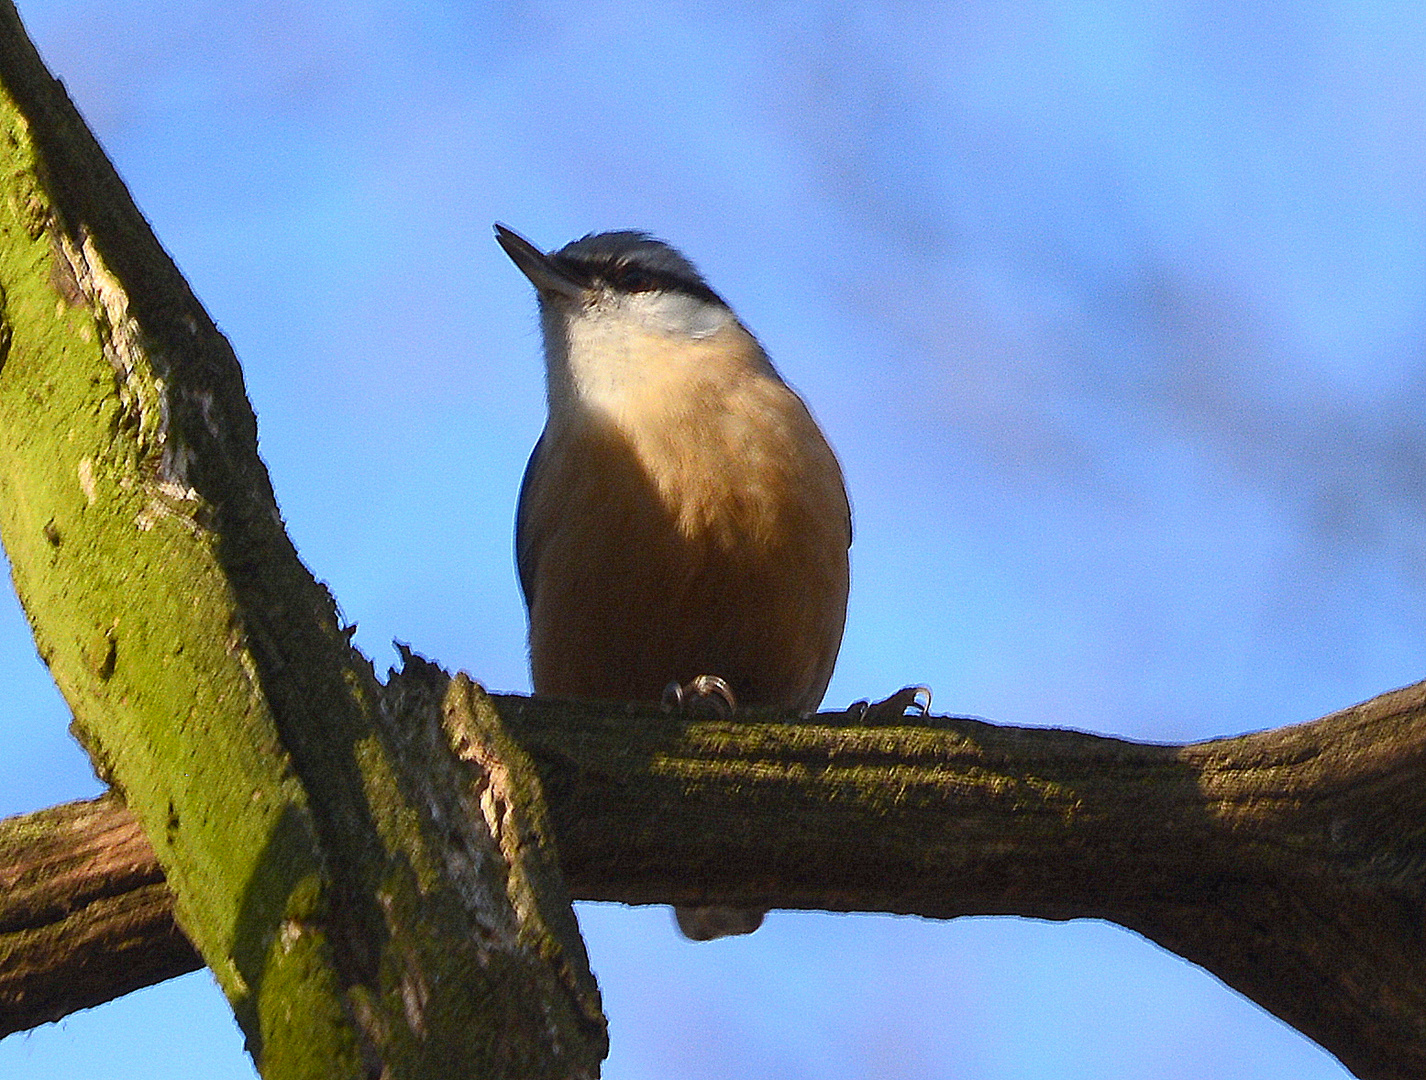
633,262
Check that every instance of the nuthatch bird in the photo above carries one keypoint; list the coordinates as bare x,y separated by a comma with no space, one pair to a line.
682,515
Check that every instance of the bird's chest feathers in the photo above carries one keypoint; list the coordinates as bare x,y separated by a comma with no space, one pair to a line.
698,436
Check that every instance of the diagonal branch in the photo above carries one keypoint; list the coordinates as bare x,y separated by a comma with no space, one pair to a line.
1289,863
363,868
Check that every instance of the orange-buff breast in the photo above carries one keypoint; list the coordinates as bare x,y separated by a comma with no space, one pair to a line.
704,537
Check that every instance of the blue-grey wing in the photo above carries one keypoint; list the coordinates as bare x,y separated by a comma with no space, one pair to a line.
527,544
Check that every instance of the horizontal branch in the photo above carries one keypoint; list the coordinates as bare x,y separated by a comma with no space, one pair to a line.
85,915
1289,863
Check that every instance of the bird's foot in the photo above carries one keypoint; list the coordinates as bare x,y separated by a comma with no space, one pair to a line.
706,697
915,698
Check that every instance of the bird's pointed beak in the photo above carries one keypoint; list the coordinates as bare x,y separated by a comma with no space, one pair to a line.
542,271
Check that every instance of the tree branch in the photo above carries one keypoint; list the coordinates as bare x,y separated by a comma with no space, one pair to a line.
1289,863
363,868
367,869
85,915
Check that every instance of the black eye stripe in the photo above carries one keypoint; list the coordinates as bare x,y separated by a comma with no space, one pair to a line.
633,277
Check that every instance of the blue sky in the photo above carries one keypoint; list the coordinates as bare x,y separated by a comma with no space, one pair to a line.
1115,313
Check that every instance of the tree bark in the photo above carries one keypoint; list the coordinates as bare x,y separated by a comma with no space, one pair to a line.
368,869
1287,862
362,918
85,914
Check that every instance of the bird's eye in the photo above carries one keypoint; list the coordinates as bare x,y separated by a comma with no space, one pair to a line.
633,279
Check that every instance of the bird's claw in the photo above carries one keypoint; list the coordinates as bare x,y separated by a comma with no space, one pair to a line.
706,697
915,698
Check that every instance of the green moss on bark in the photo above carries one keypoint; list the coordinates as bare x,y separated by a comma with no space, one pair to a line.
206,670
